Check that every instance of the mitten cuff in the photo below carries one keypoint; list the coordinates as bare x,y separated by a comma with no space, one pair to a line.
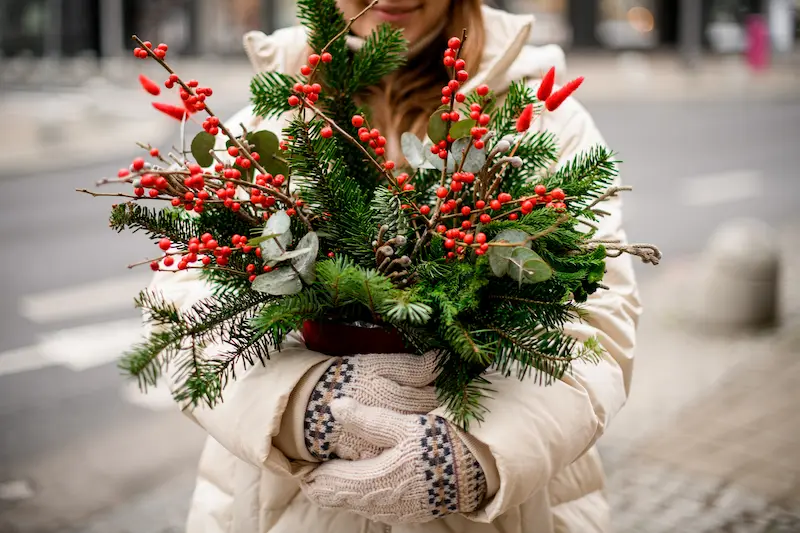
291,438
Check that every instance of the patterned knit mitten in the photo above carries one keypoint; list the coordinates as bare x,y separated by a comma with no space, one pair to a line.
427,471
399,382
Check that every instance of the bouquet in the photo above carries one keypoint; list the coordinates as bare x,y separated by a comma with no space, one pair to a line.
473,246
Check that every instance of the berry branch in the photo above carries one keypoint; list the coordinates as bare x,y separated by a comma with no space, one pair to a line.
244,151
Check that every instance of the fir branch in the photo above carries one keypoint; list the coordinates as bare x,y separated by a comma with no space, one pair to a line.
383,52
270,93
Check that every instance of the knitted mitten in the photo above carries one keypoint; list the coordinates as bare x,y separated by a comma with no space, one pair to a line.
399,382
427,471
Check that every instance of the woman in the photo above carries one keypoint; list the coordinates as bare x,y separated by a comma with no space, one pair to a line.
312,444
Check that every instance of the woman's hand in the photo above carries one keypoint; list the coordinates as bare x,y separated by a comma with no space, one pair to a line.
397,382
427,473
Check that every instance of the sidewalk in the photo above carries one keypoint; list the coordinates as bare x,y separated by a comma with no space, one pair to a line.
101,115
710,439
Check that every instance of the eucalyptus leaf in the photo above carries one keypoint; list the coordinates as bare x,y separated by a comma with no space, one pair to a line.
426,149
202,144
278,224
526,266
306,263
437,128
255,241
500,256
280,282
412,149
292,254
462,128
264,142
475,158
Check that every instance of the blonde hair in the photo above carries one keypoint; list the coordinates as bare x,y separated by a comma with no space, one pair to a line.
404,100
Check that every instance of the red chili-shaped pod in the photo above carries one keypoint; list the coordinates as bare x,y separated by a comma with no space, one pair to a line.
558,97
178,113
525,119
546,87
149,85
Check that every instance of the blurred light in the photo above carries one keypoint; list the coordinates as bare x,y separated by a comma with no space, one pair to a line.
641,19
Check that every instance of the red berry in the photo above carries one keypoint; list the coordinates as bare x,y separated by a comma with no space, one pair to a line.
445,116
425,210
504,197
294,100
233,151
441,192
175,202
449,61
484,119
139,191
466,224
449,244
557,194
441,228
357,121
480,204
316,88
154,152
291,211
454,85
485,219
138,164
462,75
326,132
527,206
456,186
389,165
380,151
454,116
460,64
454,43
460,97
442,154
465,211
164,244
305,70
541,190
152,193
482,90
326,57
313,59
479,145
154,266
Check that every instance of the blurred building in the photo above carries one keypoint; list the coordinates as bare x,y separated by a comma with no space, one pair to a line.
718,25
102,28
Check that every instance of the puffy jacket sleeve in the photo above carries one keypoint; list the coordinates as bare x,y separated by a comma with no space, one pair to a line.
532,432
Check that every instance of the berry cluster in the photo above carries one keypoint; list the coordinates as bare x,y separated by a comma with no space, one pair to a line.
201,249
309,90
142,53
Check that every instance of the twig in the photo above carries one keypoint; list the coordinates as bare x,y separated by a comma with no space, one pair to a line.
610,193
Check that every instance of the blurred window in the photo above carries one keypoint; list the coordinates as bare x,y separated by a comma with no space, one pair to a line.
628,24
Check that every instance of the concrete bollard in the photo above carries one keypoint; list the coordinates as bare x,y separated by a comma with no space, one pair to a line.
739,277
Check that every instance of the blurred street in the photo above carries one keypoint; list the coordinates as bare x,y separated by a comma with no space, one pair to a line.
83,451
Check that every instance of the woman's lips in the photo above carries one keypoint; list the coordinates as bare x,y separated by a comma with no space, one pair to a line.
395,13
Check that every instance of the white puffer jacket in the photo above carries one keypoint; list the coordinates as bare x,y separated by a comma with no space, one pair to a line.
538,441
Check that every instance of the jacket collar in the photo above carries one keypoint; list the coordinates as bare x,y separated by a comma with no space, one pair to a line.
506,35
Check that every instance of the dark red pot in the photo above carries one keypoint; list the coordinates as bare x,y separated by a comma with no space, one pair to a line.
336,339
